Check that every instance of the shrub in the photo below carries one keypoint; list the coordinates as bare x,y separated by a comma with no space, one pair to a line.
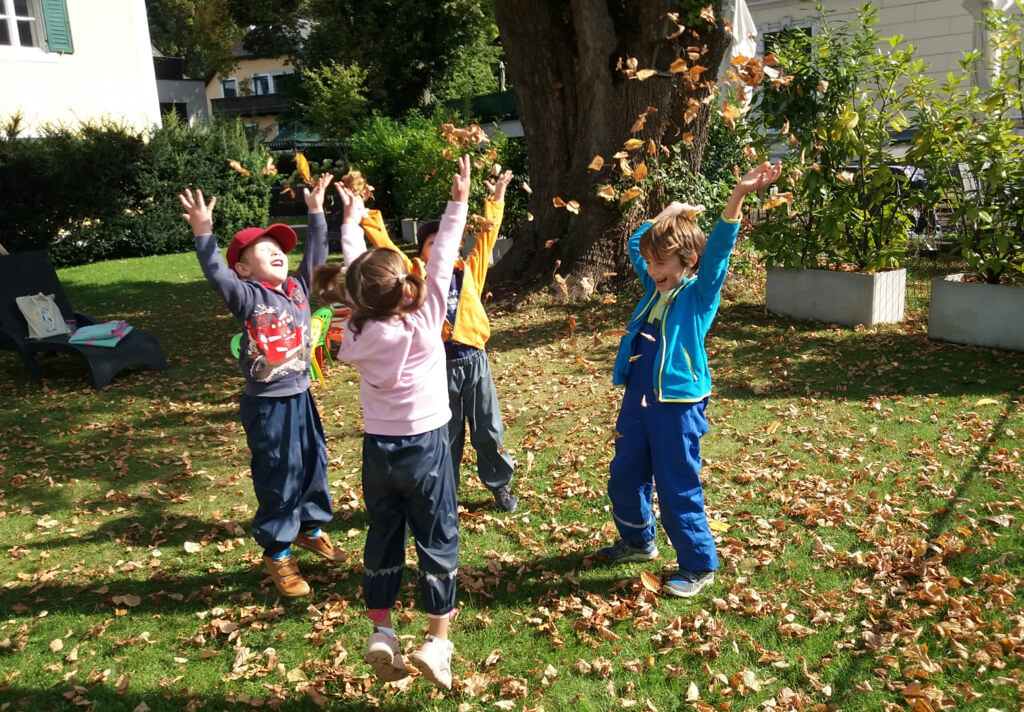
833,116
101,191
968,142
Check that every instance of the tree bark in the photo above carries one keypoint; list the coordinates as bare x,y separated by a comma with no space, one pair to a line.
564,59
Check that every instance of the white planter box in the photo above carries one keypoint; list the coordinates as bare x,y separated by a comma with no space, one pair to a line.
846,298
974,313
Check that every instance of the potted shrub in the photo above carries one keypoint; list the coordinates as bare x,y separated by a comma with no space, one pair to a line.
834,242
969,139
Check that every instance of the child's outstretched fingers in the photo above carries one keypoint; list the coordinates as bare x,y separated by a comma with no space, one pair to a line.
315,198
461,181
198,213
496,188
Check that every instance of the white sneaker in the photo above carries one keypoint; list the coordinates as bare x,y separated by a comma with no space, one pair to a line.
385,656
434,660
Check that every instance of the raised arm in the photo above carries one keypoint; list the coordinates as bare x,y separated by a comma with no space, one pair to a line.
446,246
199,215
353,242
494,211
316,230
715,261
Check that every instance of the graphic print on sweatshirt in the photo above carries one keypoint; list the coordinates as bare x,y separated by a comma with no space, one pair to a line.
276,344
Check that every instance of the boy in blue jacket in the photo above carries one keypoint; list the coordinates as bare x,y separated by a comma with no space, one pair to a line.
282,425
664,366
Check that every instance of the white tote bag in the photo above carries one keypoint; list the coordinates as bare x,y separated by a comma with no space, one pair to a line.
43,316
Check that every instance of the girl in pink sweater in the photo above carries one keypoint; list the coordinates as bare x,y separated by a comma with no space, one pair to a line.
391,339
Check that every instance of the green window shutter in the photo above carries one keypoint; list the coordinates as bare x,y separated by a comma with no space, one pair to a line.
58,29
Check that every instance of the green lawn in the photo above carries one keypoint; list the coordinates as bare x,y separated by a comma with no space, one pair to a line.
866,486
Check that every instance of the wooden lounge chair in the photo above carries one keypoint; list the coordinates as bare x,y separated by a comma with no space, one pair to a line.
28,273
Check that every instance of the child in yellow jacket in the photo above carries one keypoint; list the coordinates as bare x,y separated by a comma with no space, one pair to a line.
471,393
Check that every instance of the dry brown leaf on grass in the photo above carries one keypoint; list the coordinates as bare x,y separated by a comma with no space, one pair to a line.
650,581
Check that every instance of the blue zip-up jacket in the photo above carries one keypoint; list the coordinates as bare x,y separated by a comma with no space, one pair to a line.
681,373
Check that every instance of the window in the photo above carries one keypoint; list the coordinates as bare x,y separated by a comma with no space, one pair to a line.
262,84
20,24
229,88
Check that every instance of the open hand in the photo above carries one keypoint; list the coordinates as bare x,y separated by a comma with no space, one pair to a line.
760,176
198,213
461,181
496,188
315,198
352,204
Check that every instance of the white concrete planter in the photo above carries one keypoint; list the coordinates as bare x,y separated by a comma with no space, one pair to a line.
846,298
975,313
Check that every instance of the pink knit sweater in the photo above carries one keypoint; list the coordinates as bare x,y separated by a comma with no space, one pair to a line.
401,362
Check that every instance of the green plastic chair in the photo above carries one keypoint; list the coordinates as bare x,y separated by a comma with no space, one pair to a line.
325,314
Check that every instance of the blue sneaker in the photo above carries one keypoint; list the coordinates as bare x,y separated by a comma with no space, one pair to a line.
687,584
622,551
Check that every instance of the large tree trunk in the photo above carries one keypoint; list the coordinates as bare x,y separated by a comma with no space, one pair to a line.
574,104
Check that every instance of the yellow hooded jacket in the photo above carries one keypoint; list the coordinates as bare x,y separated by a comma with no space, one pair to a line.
471,326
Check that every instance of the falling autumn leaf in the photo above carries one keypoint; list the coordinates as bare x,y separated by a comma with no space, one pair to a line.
573,207
526,188
302,166
774,201
596,164
269,169
633,144
644,74
607,192
550,243
629,194
238,167
640,172
558,202
708,13
845,177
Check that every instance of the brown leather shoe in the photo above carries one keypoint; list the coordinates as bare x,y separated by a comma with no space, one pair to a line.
322,546
286,576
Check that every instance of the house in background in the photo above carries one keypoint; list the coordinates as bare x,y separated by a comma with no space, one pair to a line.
178,95
66,61
942,31
253,93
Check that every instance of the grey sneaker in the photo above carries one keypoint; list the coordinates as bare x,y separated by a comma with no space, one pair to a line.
505,500
687,584
434,660
622,551
385,657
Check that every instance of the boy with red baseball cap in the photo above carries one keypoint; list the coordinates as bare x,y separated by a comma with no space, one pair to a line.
282,425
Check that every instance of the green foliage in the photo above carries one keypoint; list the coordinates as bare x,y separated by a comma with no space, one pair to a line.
101,191
968,140
408,47
203,32
843,97
405,160
198,157
333,98
66,185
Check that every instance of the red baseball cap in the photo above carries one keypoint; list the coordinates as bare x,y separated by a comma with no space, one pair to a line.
284,235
